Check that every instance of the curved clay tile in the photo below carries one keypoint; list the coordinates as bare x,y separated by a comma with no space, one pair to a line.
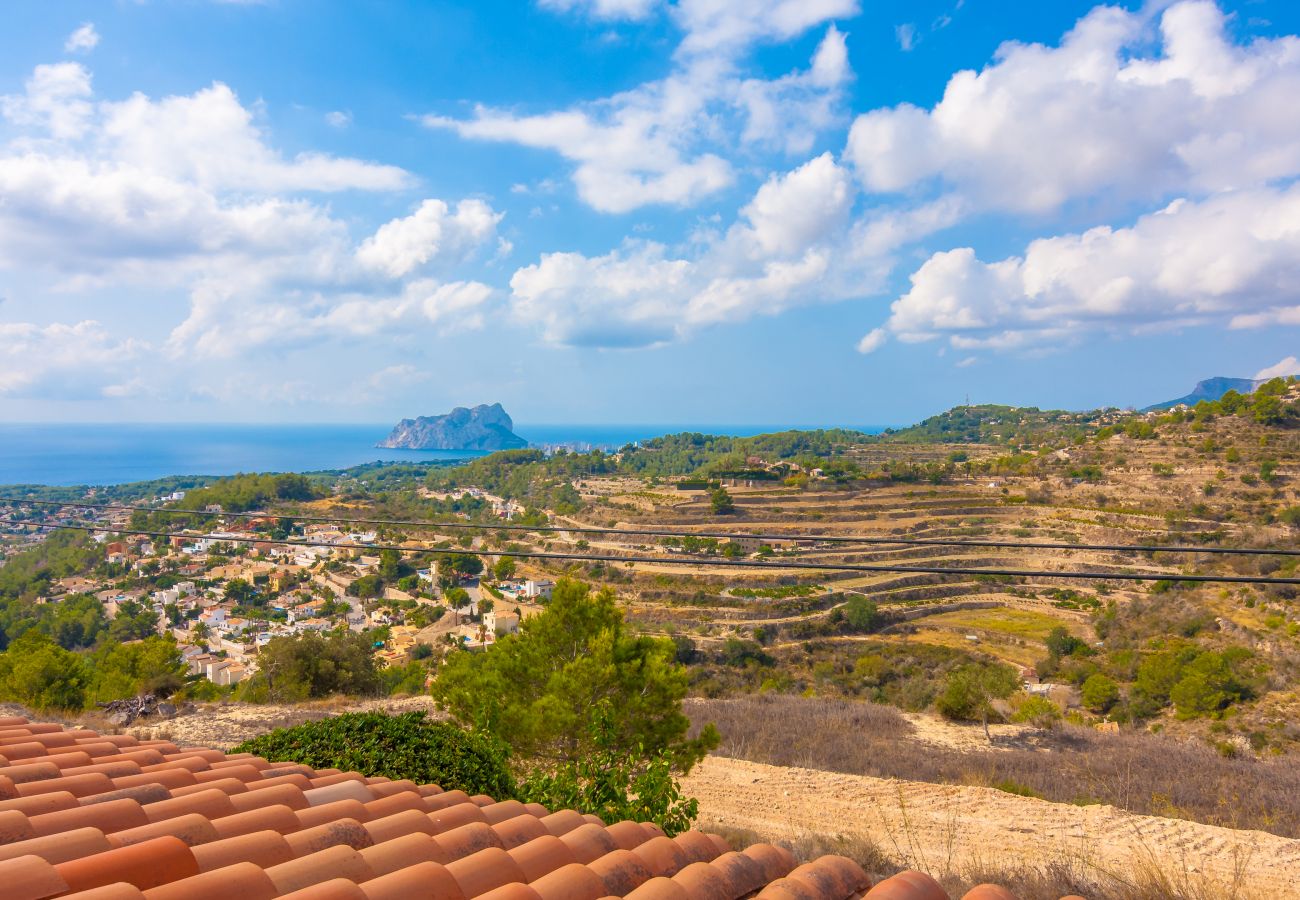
542,855
506,809
333,862
61,847
467,839
988,892
41,803
116,815
338,833
484,871
659,889
909,885
743,872
418,881
572,882
276,817
144,794
244,880
193,829
702,881
622,871
627,834
342,790
512,891
406,801
777,862
697,846
400,852
519,830
409,821
589,842
329,812
145,865
335,889
14,827
455,816
257,797
443,799
31,878
262,848
836,876
559,823
662,857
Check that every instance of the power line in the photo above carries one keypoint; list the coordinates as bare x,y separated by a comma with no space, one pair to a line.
678,533
699,561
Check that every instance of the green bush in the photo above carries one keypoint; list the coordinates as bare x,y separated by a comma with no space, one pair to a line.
397,747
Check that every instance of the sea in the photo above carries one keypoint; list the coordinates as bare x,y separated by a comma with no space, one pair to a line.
106,454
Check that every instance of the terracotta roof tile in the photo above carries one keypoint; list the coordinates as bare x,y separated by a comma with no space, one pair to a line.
485,870
392,856
263,848
338,861
107,817
542,855
418,881
30,878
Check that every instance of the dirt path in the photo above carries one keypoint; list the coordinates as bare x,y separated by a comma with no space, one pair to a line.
940,828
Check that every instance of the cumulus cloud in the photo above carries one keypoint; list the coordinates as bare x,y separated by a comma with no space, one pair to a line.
1287,368
1043,126
665,142
83,40
1232,259
782,252
79,359
186,193
608,10
431,232
338,118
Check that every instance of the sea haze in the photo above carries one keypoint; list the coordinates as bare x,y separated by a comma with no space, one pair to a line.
61,455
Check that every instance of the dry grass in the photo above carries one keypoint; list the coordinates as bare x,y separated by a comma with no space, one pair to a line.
1062,875
1140,772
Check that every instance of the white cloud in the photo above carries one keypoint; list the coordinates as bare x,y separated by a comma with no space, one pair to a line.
431,232
906,35
338,118
1043,126
665,142
186,194
1232,259
84,39
225,323
1287,368
606,10
786,250
78,359
210,138
56,99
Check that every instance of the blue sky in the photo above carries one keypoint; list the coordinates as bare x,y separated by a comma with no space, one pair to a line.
798,211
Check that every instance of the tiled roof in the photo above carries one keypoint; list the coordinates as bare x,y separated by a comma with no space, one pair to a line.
110,817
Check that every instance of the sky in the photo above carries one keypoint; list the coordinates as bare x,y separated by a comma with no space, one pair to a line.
799,212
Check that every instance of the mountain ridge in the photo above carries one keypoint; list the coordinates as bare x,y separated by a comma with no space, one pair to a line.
1208,389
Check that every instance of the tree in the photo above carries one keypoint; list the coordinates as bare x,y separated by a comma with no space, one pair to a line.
37,672
126,670
240,592
390,565
504,569
969,692
133,622
457,598
537,690
367,587
310,665
721,501
860,613
460,565
1099,693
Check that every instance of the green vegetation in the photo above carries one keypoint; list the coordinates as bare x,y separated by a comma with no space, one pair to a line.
537,690
398,747
310,665
969,692
38,673
241,493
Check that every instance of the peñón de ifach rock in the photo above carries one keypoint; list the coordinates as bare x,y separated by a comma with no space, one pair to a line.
481,428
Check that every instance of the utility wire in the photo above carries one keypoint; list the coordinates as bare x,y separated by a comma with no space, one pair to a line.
699,561
658,532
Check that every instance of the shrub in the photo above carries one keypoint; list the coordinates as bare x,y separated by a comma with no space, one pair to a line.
1099,693
1039,712
396,747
